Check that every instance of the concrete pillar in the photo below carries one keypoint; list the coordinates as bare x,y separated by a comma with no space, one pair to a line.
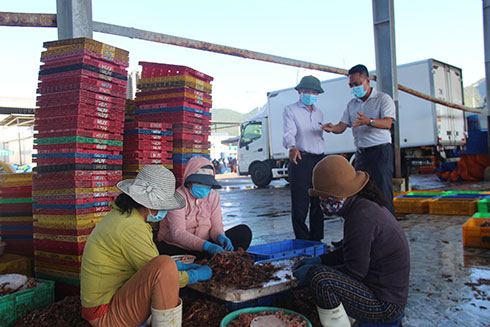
386,75
74,18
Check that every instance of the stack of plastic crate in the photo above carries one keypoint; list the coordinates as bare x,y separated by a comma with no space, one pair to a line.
146,143
129,110
181,96
16,213
79,124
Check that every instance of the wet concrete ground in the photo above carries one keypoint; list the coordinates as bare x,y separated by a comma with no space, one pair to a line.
447,283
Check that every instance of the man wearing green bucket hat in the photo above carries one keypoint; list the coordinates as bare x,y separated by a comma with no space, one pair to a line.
303,137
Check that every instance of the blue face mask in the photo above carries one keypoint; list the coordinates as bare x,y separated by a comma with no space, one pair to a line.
359,91
309,99
200,191
159,217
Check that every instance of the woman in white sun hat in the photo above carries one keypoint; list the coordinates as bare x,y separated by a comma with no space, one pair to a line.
123,278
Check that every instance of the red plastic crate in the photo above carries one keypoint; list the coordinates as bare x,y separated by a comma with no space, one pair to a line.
77,132
15,207
173,90
83,72
180,116
190,144
82,110
70,248
172,104
163,101
191,137
49,128
166,148
79,96
20,247
151,69
147,125
154,161
58,231
74,201
78,147
71,184
85,59
15,223
69,211
109,196
144,154
149,137
64,161
136,142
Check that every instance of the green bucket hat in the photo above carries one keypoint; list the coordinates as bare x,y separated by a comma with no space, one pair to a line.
310,82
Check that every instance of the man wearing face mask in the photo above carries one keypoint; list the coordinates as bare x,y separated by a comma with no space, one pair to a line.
197,229
123,278
303,137
370,115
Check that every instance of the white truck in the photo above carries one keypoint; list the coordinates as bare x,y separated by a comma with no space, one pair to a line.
422,123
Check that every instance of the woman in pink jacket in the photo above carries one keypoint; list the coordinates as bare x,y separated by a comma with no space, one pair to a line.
197,229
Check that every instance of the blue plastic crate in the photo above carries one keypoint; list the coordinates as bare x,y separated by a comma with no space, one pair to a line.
286,249
262,301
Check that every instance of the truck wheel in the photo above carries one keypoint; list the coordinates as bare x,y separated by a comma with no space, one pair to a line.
261,174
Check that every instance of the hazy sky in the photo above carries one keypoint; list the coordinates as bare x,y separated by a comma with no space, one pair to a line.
332,32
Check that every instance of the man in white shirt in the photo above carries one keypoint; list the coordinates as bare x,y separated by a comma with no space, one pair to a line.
370,115
303,136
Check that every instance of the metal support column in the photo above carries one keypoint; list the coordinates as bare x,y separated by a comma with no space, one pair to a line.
74,18
486,38
386,76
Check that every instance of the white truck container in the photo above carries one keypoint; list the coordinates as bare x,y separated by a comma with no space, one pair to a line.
422,123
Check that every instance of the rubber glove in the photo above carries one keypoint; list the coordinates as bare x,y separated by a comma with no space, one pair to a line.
225,242
186,266
199,274
300,273
211,248
307,261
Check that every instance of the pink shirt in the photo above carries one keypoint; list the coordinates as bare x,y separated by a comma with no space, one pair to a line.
201,219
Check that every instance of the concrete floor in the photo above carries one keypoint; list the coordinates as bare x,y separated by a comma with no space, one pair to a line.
441,268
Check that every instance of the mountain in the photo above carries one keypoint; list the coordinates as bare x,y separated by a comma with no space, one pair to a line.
475,93
229,116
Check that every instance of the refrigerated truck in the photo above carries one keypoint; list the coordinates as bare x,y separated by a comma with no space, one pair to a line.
422,123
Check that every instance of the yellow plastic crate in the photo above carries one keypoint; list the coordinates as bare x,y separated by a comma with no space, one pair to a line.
411,205
63,238
59,256
164,82
57,273
19,219
75,191
192,150
53,266
474,235
15,177
173,95
73,225
15,264
461,207
70,218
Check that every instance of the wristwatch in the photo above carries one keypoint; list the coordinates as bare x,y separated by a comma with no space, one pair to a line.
371,122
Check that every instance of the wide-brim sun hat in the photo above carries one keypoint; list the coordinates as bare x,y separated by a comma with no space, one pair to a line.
153,188
334,176
311,83
204,175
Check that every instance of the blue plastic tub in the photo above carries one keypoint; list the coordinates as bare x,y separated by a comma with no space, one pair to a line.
286,249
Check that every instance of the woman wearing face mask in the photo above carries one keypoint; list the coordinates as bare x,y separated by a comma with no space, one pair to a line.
123,278
197,229
367,276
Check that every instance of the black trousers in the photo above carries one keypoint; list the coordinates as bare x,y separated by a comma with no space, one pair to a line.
378,162
240,236
300,181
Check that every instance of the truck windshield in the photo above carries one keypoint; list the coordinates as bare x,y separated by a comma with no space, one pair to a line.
250,132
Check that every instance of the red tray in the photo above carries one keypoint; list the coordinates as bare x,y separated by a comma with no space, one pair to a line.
189,144
172,104
53,231
83,72
78,147
147,125
82,110
81,119
165,101
148,137
187,117
65,161
15,223
83,184
136,142
50,128
155,161
152,69
79,96
144,154
97,195
130,148
85,59
45,90
191,137
77,132
70,211
82,174
53,83
58,261
70,248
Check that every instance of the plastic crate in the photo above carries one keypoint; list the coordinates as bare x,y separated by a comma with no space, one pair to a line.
153,69
443,206
481,215
474,235
15,264
286,249
89,71
483,205
14,306
69,225
411,205
58,53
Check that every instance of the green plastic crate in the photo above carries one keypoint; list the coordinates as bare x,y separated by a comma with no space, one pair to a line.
483,205
481,215
77,139
14,306
17,200
463,192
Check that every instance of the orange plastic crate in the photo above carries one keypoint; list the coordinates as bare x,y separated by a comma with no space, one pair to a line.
411,205
462,207
474,235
